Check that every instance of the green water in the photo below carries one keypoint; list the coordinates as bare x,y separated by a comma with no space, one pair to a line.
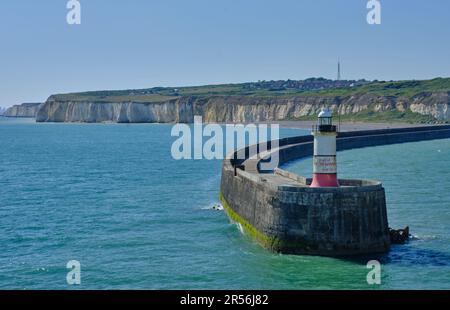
111,197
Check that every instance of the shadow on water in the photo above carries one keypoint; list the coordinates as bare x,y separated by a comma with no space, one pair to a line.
406,255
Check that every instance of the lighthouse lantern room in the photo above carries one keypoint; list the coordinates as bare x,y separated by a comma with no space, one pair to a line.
324,161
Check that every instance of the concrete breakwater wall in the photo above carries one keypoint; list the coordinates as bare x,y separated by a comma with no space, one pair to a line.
284,214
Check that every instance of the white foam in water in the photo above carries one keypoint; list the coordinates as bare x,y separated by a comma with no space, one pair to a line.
241,229
424,237
214,206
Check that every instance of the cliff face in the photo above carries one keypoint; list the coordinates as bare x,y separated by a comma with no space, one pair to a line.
23,110
238,108
435,104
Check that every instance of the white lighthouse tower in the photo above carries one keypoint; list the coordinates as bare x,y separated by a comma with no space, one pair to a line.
324,163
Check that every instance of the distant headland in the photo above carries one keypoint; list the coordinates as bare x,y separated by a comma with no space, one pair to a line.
22,110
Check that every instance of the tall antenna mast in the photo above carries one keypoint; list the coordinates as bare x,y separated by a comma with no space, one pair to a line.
339,105
339,70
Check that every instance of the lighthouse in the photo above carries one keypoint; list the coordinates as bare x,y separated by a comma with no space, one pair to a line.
324,162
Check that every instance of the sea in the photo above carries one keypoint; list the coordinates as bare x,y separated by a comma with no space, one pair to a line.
111,197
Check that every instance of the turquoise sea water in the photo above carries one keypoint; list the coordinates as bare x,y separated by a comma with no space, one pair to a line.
111,197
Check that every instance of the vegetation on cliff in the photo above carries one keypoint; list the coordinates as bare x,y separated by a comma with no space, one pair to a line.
407,89
390,116
161,94
309,87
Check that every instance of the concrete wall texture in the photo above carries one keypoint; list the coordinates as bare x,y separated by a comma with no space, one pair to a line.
282,213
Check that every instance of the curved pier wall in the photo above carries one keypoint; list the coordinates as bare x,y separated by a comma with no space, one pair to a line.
353,140
325,221
295,148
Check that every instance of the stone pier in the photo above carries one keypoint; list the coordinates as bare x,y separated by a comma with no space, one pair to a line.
280,211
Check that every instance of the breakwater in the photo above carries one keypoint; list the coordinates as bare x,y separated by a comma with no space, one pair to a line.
280,210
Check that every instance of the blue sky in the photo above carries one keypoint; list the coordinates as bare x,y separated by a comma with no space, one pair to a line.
146,43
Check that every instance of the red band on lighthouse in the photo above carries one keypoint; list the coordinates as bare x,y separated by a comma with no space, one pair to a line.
324,162
325,180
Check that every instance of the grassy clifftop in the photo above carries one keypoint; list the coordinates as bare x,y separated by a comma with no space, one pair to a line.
396,88
310,87
390,116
